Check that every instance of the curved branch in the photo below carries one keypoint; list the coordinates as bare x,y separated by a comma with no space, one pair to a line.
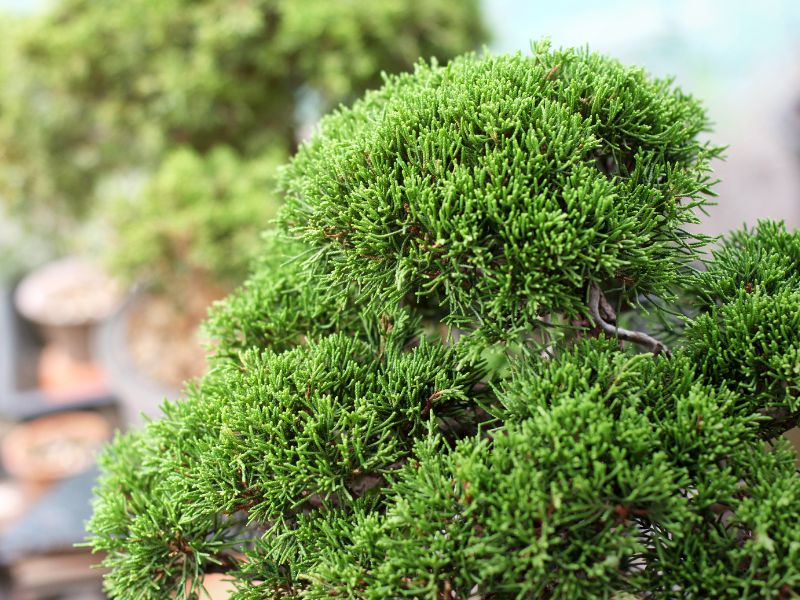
598,301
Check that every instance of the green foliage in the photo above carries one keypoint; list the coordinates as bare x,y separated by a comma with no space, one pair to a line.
766,256
534,514
152,547
752,345
273,436
358,407
745,544
198,218
98,87
500,186
211,72
593,367
278,307
604,490
346,443
50,155
747,335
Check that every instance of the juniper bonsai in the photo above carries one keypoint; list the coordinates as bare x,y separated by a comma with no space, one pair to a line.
423,391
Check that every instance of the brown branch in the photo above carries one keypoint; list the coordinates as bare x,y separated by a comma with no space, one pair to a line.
606,310
780,420
597,300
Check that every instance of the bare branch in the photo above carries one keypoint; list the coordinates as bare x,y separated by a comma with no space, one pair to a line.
606,310
598,301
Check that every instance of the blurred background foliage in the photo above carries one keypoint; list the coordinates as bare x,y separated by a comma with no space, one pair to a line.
124,114
198,218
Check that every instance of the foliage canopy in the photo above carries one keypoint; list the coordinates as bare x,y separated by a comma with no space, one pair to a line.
422,390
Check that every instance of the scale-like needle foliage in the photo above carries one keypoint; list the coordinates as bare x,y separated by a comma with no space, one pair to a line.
767,256
498,187
422,391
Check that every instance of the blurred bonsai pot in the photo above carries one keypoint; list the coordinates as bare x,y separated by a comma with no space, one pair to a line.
65,299
54,446
139,390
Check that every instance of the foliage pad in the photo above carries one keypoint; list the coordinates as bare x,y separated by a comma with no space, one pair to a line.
498,187
422,390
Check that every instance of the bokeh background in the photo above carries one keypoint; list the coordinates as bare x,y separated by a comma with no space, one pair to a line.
741,58
100,304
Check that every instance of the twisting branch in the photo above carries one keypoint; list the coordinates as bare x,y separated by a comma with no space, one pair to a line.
606,310
599,306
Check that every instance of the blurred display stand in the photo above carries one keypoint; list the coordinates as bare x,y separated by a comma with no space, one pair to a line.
56,410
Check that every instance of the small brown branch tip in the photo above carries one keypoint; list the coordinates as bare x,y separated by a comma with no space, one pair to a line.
599,306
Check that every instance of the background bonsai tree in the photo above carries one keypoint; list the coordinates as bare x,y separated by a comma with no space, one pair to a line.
198,220
184,109
187,238
421,391
94,92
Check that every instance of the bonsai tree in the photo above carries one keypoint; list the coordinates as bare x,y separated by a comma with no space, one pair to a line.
197,220
101,90
186,240
423,390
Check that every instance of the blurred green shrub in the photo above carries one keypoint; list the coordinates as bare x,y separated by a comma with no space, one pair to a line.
52,150
91,90
197,220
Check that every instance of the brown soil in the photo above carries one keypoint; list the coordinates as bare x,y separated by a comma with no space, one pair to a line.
54,446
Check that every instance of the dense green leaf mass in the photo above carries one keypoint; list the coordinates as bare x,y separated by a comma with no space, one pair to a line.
533,514
766,256
746,336
346,443
501,186
597,513
279,306
746,544
751,344
153,550
618,483
355,408
273,436
94,90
